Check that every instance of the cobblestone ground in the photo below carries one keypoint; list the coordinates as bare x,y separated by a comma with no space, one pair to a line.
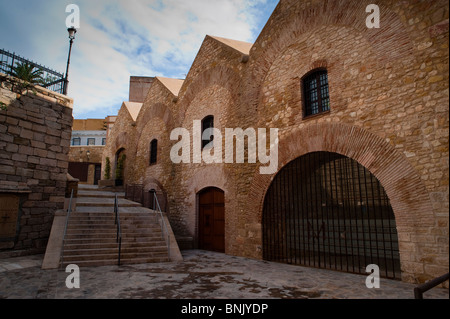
202,275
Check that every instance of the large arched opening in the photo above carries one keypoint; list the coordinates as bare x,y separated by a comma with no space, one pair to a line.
326,210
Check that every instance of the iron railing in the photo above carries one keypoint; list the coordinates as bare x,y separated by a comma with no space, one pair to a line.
136,194
164,228
51,79
119,229
420,290
69,212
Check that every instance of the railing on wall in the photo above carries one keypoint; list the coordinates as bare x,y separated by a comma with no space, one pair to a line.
420,290
51,79
150,200
136,193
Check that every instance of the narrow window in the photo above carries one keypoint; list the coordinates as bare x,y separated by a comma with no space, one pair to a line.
316,93
103,141
207,123
153,152
91,142
76,141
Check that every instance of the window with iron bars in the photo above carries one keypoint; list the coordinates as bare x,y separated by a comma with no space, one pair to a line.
316,93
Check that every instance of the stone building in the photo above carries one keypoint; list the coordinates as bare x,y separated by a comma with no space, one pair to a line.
362,118
86,148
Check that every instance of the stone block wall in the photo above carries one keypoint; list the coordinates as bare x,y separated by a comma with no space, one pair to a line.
35,131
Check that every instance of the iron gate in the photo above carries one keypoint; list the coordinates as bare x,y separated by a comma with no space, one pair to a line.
325,210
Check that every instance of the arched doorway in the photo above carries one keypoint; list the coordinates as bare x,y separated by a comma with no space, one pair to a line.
325,210
119,167
211,220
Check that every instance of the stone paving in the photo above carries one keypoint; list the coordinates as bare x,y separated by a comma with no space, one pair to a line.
202,275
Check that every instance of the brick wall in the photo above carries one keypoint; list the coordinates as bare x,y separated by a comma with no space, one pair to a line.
35,132
389,112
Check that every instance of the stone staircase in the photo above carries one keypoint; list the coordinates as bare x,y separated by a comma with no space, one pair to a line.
91,238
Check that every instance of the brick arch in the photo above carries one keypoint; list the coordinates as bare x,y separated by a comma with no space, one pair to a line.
158,110
220,75
285,32
216,176
208,176
121,141
153,183
409,198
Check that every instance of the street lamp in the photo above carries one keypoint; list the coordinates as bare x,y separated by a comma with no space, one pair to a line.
72,32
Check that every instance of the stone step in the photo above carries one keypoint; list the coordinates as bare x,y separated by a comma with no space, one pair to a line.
99,194
108,236
122,210
115,245
113,262
112,231
86,203
111,217
91,238
103,255
126,251
88,224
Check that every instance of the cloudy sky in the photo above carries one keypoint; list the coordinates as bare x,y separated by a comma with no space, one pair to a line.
120,38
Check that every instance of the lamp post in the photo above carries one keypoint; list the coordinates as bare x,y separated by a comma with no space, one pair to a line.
72,32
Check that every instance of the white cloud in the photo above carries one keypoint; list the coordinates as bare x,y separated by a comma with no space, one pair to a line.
120,38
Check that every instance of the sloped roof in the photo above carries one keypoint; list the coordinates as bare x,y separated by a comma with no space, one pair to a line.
133,108
243,47
173,85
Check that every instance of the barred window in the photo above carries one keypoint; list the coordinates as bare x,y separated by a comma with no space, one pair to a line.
153,152
316,93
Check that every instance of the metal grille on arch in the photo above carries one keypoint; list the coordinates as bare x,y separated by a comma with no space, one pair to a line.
325,210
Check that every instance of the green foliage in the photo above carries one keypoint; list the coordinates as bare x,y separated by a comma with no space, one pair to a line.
108,169
3,106
27,72
120,167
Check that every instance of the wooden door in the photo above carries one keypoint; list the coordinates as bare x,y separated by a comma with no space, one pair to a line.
212,220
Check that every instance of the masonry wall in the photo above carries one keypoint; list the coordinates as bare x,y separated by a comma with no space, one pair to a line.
35,130
389,112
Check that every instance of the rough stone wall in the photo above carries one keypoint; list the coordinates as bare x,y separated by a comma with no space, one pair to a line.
389,112
79,154
389,84
35,131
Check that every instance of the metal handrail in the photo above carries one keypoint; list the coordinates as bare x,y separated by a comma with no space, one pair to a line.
420,290
119,228
69,212
163,224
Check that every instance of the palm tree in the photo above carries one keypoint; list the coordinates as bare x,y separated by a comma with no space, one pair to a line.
26,72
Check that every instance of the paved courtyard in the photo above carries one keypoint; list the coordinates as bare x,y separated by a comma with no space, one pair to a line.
202,275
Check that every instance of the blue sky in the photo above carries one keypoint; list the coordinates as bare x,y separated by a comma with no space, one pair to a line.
120,38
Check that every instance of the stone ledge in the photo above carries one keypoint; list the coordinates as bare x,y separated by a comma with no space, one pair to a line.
14,187
40,91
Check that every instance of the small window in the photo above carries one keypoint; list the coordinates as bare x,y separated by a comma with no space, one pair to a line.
76,142
103,141
153,152
207,123
91,142
316,93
